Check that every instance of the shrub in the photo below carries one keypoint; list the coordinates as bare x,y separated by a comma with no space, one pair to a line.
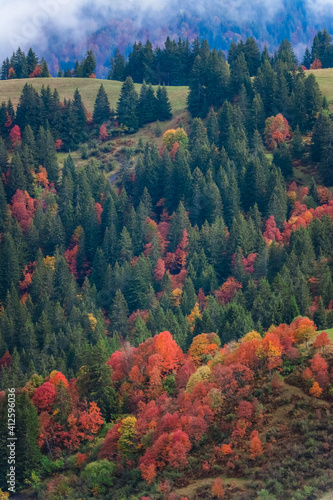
99,475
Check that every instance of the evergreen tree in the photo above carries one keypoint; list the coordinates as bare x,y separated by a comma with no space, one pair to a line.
117,71
127,106
94,380
163,106
282,159
88,65
102,110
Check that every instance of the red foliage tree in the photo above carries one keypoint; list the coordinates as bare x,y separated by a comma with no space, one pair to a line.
227,291
318,363
71,256
271,232
174,150
56,377
103,133
59,144
98,211
159,270
44,396
23,209
6,359
36,72
9,120
322,341
316,64
15,135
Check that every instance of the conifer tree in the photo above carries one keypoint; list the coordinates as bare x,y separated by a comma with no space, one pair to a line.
163,106
127,106
117,71
119,315
102,110
282,159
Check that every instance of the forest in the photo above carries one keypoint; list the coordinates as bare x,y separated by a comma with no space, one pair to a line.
172,327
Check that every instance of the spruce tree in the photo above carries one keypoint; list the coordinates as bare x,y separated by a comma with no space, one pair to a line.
127,106
117,71
163,106
282,159
102,110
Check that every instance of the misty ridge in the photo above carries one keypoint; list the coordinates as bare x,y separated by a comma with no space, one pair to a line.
63,30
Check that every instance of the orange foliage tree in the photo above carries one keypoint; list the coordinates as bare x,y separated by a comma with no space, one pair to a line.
217,488
276,131
316,390
256,448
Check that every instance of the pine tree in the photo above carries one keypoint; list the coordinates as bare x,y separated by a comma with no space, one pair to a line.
196,99
44,69
127,106
119,315
213,128
79,121
297,144
239,75
117,71
282,159
252,56
102,110
28,456
16,178
88,65
94,381
48,154
32,61
307,60
163,106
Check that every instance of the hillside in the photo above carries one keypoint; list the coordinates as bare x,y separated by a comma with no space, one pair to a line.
166,284
11,89
325,79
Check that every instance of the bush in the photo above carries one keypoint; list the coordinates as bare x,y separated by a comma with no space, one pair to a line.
84,151
158,130
99,475
265,495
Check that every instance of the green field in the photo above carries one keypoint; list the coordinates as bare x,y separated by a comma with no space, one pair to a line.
325,80
11,89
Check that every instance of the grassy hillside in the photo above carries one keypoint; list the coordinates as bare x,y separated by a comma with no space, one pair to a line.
325,80
11,89
88,87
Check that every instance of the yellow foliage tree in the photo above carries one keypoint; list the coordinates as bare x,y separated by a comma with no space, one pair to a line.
49,262
195,313
250,336
176,296
126,443
171,136
92,321
201,375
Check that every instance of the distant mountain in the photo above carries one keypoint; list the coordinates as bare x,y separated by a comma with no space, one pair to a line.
104,28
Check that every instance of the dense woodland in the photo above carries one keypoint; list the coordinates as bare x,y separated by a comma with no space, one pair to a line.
152,328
